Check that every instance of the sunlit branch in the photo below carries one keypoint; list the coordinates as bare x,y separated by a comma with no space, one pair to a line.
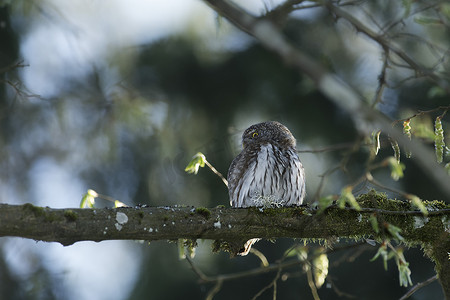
425,112
216,172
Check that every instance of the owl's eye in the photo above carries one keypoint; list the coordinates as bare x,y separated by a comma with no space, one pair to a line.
255,134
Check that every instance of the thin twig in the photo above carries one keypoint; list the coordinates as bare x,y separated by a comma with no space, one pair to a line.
424,112
197,271
329,148
342,166
271,284
311,284
380,185
388,27
111,199
214,290
216,172
384,42
323,178
381,80
15,65
338,291
419,286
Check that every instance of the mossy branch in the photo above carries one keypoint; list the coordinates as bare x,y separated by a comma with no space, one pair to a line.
68,226
229,225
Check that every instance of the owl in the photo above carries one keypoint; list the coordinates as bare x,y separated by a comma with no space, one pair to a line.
268,172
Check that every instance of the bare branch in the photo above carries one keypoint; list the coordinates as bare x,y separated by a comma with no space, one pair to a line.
418,286
366,120
387,44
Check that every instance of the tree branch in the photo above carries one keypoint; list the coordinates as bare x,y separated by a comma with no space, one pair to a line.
68,226
366,119
231,225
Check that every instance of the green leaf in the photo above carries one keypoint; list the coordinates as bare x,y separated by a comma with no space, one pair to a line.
436,91
447,168
439,143
290,252
396,149
186,247
320,269
348,197
300,251
407,5
88,199
383,252
198,160
117,203
324,203
181,250
374,222
407,132
404,273
396,168
422,127
417,202
394,231
427,21
445,10
376,141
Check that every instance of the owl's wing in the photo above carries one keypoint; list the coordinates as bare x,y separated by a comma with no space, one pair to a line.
293,179
234,174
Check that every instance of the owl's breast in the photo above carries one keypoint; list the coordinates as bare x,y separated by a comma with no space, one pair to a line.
270,178
268,170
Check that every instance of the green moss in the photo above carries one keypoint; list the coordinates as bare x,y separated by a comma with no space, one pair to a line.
190,243
141,216
50,217
36,210
70,215
436,205
41,212
203,211
374,199
277,211
221,245
221,206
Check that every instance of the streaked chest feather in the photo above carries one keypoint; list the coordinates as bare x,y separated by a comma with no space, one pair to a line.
271,179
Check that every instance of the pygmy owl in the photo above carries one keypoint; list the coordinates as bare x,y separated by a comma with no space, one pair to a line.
268,172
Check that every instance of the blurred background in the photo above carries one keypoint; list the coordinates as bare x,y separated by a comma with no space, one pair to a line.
117,96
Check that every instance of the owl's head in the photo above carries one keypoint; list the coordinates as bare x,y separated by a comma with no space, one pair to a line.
268,132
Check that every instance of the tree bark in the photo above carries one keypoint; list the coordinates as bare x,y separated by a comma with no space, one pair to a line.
229,225
68,226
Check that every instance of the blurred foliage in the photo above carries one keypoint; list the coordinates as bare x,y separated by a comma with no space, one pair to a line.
130,125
